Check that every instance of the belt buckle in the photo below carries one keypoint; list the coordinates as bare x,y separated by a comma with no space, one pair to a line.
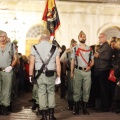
83,68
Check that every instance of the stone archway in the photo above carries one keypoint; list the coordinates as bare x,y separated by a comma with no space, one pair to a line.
32,37
111,30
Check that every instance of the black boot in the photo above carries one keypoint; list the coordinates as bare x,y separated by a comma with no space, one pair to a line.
38,111
5,111
44,115
10,107
35,106
77,108
1,109
117,111
85,112
51,114
70,105
32,100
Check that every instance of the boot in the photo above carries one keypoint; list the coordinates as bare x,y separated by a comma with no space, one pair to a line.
32,100
5,111
70,105
77,108
38,111
51,114
117,111
1,109
44,115
35,106
10,107
85,112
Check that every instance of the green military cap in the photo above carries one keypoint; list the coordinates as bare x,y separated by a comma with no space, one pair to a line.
73,41
81,34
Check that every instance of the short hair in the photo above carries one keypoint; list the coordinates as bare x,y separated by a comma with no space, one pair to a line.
113,39
2,32
118,42
46,32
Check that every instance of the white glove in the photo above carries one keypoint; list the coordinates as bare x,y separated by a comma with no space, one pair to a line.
8,69
51,38
57,81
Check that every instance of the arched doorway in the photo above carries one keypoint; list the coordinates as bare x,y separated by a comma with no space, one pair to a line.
32,37
111,30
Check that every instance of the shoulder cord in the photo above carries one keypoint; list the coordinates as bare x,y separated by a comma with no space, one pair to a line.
88,63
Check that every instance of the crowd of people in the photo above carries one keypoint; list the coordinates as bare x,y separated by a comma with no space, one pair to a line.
83,71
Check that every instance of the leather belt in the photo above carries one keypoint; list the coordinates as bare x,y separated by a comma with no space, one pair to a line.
81,68
2,69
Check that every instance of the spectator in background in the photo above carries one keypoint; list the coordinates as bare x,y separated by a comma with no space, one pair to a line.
104,57
116,67
112,85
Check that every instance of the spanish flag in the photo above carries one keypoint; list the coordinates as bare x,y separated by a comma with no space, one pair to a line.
51,16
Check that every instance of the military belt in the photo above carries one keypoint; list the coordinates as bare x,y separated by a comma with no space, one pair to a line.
81,68
2,69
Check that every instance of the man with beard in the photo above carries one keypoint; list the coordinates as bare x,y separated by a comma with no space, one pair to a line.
82,61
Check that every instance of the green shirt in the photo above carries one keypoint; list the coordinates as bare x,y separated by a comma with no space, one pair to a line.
7,55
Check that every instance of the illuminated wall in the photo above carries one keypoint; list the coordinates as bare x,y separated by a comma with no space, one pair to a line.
92,18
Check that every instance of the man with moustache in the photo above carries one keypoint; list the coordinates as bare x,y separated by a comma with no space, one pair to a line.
8,59
82,61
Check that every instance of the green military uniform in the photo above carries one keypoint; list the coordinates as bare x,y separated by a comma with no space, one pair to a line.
6,78
46,85
66,59
82,78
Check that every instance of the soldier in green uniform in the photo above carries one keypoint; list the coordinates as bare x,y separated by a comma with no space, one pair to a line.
8,59
46,84
66,60
81,72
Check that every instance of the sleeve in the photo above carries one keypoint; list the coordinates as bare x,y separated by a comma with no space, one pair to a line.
92,56
57,51
63,58
73,53
106,54
32,52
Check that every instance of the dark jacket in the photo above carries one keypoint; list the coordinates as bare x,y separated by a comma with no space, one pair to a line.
105,55
116,64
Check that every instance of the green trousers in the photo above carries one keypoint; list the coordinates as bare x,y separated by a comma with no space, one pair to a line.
81,85
46,91
35,93
6,80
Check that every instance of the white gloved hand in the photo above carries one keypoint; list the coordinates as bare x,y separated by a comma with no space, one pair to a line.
8,69
57,81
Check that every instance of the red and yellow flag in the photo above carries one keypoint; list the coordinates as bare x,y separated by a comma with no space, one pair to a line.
51,16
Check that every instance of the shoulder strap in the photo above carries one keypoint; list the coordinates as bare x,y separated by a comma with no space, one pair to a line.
38,54
44,66
76,57
12,53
